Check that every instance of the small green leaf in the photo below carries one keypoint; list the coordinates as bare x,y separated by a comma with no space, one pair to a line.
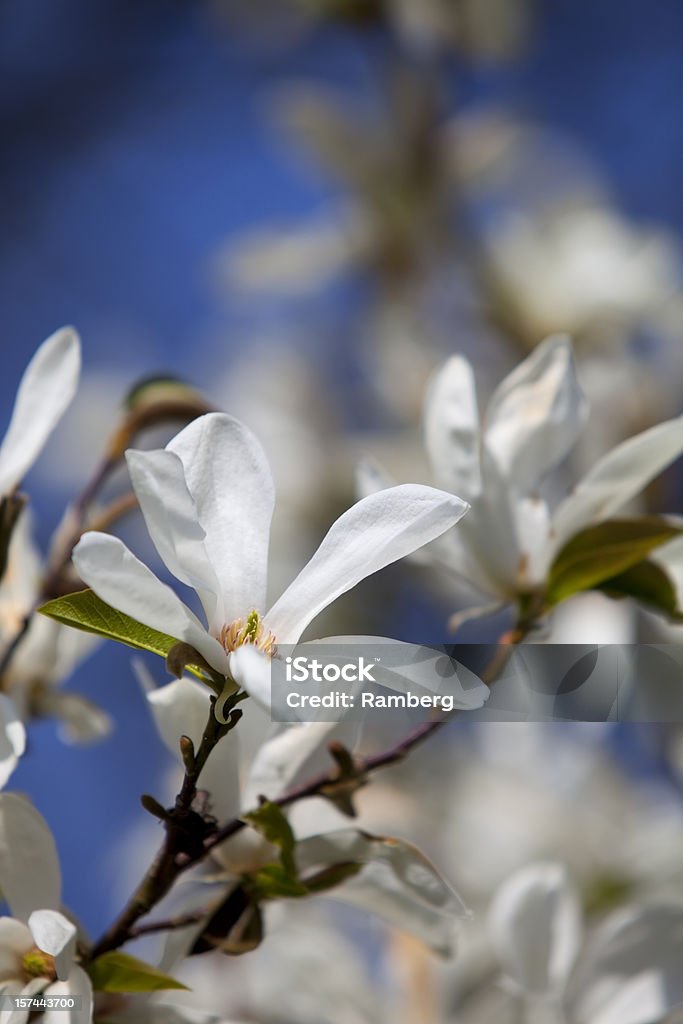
273,826
120,972
234,927
648,584
602,552
85,610
273,881
151,391
330,878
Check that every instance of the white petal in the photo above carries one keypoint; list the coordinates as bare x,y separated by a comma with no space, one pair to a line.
78,985
182,708
12,738
80,720
534,416
373,533
631,970
397,882
490,535
171,517
15,941
250,668
280,758
106,565
46,389
56,935
405,668
617,477
451,425
229,479
30,878
535,925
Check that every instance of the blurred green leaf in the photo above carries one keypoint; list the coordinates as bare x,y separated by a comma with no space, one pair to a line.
650,585
153,390
120,972
602,552
273,881
330,878
272,824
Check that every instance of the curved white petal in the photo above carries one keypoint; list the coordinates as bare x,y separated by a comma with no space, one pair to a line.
182,708
617,477
534,416
77,985
228,476
106,565
46,389
630,972
280,758
373,533
56,935
408,668
397,882
250,668
535,926
30,878
15,941
451,426
171,517
12,738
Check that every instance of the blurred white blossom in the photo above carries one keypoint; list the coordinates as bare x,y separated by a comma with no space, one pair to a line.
629,970
38,944
47,653
499,462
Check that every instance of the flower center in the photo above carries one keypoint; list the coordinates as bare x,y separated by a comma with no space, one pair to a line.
248,631
36,964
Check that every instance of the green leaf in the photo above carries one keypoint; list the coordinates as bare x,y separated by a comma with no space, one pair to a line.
602,552
234,927
120,972
152,391
273,881
650,585
271,823
330,878
85,610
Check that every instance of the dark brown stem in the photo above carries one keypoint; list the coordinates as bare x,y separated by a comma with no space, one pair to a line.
183,842
168,924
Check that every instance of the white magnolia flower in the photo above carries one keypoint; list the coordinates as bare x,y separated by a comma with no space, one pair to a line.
207,500
627,972
38,943
507,543
46,389
48,652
